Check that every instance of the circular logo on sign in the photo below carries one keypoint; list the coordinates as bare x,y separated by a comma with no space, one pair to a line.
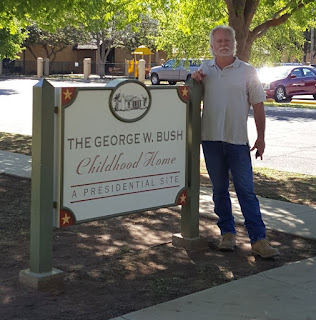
130,101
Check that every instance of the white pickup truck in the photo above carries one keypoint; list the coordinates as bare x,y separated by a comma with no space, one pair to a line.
174,70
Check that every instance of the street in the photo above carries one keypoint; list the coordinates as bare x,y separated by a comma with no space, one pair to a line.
16,106
290,133
16,103
290,140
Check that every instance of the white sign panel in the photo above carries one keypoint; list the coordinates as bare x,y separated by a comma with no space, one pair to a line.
123,150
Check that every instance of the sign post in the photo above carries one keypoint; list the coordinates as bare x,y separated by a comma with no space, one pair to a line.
189,237
41,275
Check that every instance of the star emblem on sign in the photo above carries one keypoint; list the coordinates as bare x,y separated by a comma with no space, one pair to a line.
183,198
183,93
68,95
65,218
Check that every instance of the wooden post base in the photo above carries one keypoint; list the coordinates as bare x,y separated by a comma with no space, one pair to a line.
42,281
199,243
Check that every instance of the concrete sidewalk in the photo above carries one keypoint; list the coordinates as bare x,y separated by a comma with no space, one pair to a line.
15,164
278,215
285,293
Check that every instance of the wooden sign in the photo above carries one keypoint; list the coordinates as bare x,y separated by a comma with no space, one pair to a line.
123,149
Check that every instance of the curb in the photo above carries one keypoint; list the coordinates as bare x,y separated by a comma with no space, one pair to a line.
295,101
305,102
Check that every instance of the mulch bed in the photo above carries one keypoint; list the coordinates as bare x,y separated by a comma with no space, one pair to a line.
121,264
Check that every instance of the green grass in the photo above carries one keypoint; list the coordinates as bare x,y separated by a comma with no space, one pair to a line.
285,186
17,143
281,185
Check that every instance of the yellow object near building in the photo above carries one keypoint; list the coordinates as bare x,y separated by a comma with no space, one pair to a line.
140,52
143,50
130,66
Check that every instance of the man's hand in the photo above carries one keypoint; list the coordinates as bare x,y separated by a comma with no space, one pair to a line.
260,120
260,146
198,75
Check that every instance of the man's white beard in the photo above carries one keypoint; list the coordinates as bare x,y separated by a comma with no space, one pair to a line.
220,53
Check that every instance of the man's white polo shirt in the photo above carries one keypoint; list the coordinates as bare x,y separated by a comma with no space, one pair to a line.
228,94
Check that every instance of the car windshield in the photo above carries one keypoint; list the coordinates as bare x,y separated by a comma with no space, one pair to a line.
183,62
195,62
268,74
170,64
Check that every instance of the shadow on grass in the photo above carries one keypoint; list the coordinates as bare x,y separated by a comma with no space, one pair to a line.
277,185
16,143
295,188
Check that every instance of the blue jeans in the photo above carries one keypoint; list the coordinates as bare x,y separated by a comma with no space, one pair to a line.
220,157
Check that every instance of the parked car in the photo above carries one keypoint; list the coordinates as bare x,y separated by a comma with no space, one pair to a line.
283,82
174,71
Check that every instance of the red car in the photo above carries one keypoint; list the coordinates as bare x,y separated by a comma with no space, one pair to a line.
283,82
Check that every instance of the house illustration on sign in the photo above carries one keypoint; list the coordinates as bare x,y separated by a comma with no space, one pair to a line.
124,102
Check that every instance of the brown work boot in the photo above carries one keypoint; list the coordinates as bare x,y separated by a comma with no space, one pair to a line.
263,249
228,242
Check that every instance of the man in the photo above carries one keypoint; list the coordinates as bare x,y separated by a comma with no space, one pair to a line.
230,87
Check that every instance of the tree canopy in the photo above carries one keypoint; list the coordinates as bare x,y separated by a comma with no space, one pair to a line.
54,42
16,15
10,43
265,29
105,21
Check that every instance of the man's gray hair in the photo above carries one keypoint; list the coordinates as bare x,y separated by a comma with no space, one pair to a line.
226,28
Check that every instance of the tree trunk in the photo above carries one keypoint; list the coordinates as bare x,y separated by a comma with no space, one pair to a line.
31,51
103,51
99,65
241,13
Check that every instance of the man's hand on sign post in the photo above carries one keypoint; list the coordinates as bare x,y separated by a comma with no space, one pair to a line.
198,75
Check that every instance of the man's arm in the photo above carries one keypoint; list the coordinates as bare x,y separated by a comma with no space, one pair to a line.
260,120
